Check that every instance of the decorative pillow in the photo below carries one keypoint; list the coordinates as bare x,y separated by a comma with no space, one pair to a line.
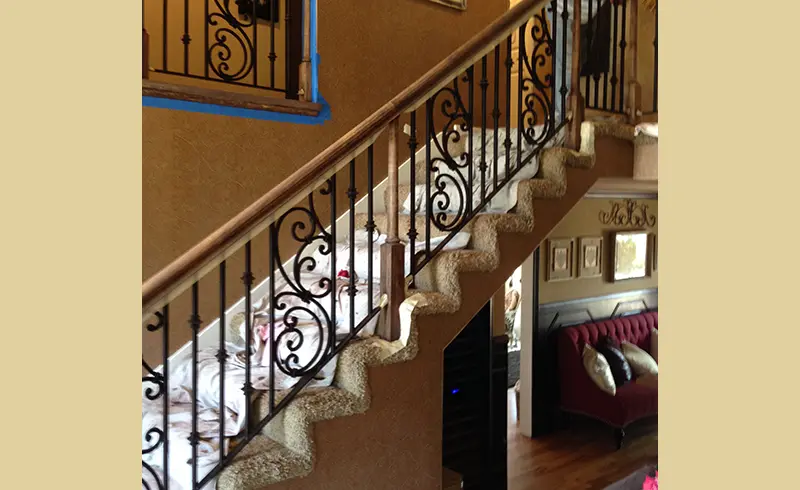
654,344
598,370
641,362
620,368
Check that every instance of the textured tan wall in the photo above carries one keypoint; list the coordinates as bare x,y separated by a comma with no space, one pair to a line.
583,221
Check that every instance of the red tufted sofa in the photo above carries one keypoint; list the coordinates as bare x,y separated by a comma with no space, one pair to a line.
579,394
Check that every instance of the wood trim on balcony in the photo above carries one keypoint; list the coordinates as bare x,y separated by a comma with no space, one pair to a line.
163,90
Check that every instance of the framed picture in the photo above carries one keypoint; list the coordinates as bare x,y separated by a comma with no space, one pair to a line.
456,4
560,259
655,252
630,255
590,256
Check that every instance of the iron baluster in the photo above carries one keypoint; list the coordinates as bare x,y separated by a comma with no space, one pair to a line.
255,39
553,58
484,87
273,352
370,223
614,50
470,147
655,66
586,50
186,39
496,111
622,45
521,61
428,170
595,74
165,400
412,229
164,34
507,144
287,26
247,280
194,438
565,33
222,356
206,53
351,287
332,324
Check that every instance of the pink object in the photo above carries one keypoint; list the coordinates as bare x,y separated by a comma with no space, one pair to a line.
650,483
343,274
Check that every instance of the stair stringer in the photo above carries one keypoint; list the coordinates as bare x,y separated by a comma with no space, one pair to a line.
380,426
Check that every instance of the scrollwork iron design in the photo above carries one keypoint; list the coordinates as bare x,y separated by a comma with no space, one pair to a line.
537,82
628,213
154,437
153,377
451,188
306,229
228,28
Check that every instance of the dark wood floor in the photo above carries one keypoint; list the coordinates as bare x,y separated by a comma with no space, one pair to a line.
582,457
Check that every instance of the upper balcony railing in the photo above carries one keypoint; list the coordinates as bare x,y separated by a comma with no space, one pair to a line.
257,48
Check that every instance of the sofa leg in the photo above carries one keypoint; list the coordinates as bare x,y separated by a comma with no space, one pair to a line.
619,435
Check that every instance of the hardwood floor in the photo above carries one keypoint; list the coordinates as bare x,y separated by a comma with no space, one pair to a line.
582,457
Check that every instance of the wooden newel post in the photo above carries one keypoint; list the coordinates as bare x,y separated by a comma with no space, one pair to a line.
392,267
576,103
634,102
145,54
305,63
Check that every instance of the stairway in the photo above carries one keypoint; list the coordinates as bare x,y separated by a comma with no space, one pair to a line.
379,425
375,422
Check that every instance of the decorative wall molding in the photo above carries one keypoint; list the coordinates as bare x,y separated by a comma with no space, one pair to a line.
629,213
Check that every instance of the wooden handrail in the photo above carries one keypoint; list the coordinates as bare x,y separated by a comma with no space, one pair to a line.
176,277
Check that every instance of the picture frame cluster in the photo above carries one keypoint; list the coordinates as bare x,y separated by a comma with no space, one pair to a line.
632,255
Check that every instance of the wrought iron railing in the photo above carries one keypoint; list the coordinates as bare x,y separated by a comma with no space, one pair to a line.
334,266
247,44
607,64
603,57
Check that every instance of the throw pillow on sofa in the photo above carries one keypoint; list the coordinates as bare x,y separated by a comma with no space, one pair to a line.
598,370
641,362
654,344
620,368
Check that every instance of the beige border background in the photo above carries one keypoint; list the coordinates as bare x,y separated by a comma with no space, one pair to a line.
71,208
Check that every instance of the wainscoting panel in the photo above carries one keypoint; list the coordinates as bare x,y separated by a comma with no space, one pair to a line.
552,317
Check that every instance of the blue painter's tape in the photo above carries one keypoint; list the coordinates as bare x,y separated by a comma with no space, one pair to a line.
314,54
182,105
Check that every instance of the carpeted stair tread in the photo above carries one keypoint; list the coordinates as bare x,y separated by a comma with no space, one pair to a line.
289,451
262,462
